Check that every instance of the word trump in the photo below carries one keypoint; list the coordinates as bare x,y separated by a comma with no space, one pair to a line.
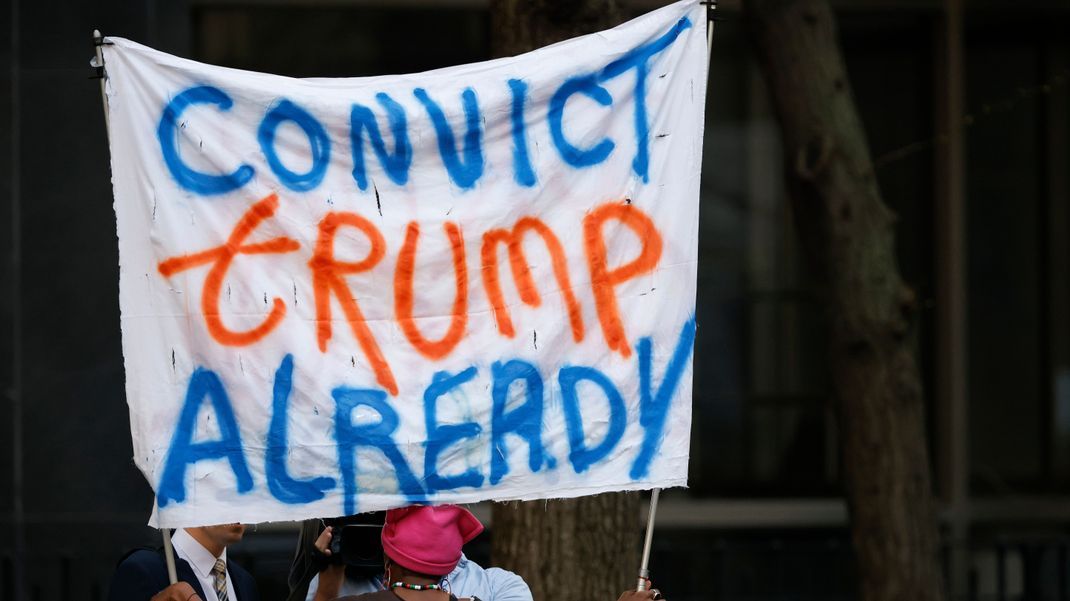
526,421
329,278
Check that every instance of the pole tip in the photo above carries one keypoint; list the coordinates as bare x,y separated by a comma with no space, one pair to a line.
96,34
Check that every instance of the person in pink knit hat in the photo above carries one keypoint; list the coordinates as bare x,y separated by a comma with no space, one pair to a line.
422,545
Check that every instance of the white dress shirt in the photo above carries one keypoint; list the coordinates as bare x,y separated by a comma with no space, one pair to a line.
202,561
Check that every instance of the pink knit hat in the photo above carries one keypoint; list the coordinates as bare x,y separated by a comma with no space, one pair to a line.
428,539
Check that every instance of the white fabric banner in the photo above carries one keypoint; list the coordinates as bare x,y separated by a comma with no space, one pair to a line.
345,295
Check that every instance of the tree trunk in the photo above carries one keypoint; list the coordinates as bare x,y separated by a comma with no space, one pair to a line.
849,236
517,26
584,549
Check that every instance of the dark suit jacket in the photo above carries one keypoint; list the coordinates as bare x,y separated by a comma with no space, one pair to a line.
143,573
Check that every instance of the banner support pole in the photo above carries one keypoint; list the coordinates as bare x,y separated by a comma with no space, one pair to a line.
644,572
169,555
98,63
102,75
711,19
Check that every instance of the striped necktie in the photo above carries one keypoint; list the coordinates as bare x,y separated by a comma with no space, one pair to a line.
219,573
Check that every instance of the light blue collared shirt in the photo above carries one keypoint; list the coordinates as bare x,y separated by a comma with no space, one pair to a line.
468,579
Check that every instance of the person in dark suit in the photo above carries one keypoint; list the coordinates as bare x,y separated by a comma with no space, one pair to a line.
200,561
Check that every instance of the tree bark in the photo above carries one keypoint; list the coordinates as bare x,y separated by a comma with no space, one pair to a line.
582,549
849,236
517,26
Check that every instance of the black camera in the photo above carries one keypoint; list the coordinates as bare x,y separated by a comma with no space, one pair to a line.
357,545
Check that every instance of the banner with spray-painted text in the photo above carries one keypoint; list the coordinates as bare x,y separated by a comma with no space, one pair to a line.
345,295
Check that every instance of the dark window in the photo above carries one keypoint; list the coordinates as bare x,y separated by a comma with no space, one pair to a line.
325,41
1019,359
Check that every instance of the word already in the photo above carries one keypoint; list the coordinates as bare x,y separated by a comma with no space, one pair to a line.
524,422
329,278
465,168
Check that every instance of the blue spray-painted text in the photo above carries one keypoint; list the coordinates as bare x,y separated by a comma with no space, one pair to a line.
459,145
365,418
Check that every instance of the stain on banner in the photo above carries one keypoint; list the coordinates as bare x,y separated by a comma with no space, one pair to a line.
345,295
